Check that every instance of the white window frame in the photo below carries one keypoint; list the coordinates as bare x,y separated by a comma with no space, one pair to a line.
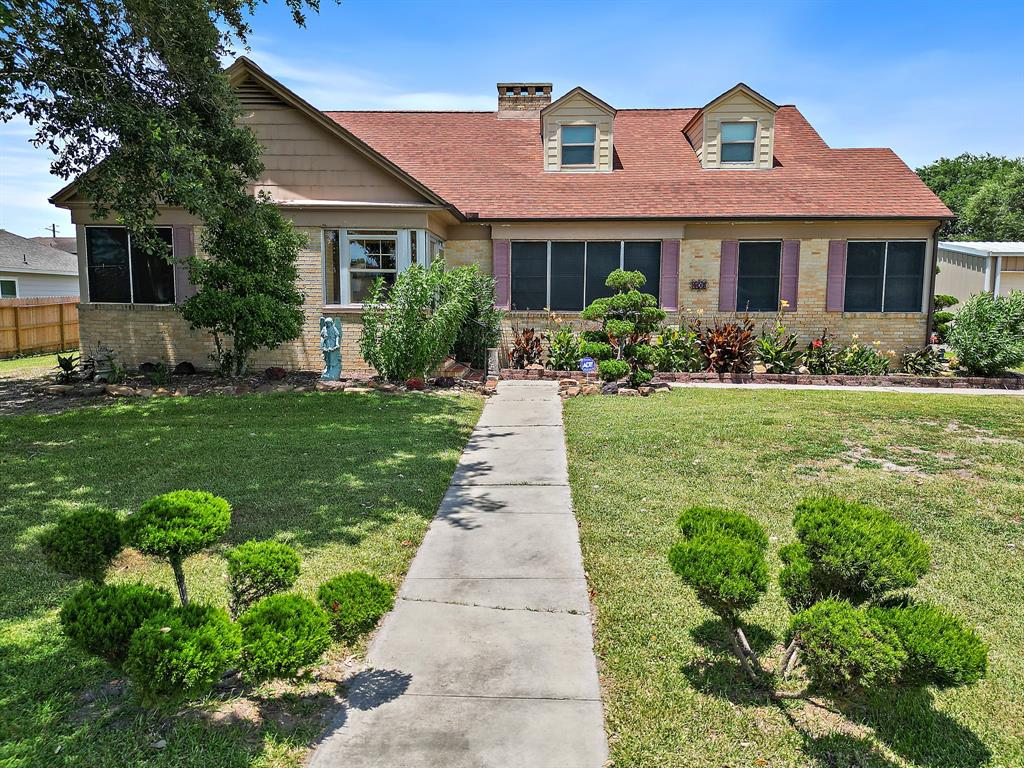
885,272
425,244
592,144
17,290
753,143
131,276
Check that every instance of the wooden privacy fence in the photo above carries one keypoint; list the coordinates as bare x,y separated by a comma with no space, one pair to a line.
47,324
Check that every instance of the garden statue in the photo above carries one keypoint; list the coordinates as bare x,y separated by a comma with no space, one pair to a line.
330,345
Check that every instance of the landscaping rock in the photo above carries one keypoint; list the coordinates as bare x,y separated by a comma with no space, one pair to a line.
148,367
610,388
59,389
179,392
571,391
184,368
161,392
144,392
91,390
118,390
330,386
568,383
645,391
444,382
759,367
628,392
275,373
358,388
243,389
590,389
535,367
387,386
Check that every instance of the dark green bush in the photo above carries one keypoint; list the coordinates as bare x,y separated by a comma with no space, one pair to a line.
179,654
599,350
178,524
728,574
858,552
796,579
640,377
101,618
846,647
676,349
943,300
941,649
697,521
595,337
481,328
83,544
613,370
988,335
943,317
355,601
257,569
564,350
281,634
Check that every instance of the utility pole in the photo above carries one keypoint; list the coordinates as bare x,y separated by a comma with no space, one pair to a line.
53,230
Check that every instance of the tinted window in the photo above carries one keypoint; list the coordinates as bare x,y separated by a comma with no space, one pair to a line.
602,260
578,134
581,155
646,258
8,289
757,277
107,252
153,273
567,276
738,142
865,264
529,275
904,276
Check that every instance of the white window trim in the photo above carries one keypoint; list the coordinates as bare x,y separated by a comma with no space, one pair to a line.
131,276
778,297
403,256
885,272
17,289
752,163
593,145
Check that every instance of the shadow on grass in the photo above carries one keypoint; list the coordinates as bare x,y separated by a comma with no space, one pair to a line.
722,675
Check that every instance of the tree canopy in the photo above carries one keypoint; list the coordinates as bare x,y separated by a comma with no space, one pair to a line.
986,192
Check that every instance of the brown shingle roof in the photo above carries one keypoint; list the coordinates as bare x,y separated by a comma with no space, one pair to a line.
481,163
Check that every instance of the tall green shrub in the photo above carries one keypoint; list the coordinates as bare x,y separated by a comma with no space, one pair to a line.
988,334
410,327
481,328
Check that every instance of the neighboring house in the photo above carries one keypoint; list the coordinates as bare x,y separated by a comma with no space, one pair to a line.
738,206
30,270
69,244
970,268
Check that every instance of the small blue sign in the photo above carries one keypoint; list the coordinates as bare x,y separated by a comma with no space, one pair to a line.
588,365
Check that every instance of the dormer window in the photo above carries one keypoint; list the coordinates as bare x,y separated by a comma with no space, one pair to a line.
578,143
738,142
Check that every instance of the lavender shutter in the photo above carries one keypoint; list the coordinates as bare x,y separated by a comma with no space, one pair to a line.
502,254
835,285
789,285
727,275
182,249
670,275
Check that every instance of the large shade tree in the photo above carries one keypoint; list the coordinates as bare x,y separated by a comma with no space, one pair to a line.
986,192
130,97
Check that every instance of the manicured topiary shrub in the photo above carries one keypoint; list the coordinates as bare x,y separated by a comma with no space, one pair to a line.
701,520
281,634
83,544
257,569
796,579
613,370
101,618
857,551
355,601
728,574
178,524
180,653
845,647
941,649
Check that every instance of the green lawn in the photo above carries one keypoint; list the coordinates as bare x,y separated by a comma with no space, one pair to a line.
950,466
30,367
351,480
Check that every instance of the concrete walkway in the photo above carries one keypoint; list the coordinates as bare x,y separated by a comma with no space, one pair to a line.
487,658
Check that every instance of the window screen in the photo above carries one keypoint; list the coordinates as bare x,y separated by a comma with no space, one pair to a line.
529,275
904,276
757,277
646,258
602,260
107,264
152,273
567,276
865,267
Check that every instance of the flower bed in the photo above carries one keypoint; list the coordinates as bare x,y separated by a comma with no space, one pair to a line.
1009,381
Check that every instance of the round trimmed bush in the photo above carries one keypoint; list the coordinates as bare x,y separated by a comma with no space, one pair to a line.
941,649
281,634
257,569
846,647
355,602
797,578
101,618
180,653
701,520
599,350
858,552
728,574
83,544
178,524
613,370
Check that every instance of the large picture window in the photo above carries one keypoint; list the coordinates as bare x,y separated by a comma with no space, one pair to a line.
355,258
122,272
884,276
566,275
757,276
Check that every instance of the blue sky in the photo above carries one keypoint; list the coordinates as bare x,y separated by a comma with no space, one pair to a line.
925,78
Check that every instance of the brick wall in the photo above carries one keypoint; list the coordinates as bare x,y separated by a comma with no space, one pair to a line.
458,253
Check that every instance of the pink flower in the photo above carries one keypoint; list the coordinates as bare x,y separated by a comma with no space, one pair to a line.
933,339
816,343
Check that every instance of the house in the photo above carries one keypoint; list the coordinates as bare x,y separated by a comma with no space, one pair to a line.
970,268
737,206
30,270
69,244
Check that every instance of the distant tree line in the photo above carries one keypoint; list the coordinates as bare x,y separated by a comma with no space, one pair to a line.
986,192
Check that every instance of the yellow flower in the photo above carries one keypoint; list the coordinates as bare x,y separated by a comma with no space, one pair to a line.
855,336
877,343
784,303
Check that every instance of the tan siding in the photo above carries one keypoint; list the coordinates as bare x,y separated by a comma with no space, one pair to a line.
577,111
737,108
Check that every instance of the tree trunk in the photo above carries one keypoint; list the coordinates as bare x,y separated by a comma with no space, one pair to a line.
751,656
787,662
179,580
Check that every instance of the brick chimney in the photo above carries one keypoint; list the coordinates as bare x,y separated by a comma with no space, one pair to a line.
523,97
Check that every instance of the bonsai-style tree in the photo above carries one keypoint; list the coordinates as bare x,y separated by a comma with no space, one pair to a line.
176,525
628,318
721,557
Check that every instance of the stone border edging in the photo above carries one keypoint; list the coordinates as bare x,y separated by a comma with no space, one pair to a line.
889,380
